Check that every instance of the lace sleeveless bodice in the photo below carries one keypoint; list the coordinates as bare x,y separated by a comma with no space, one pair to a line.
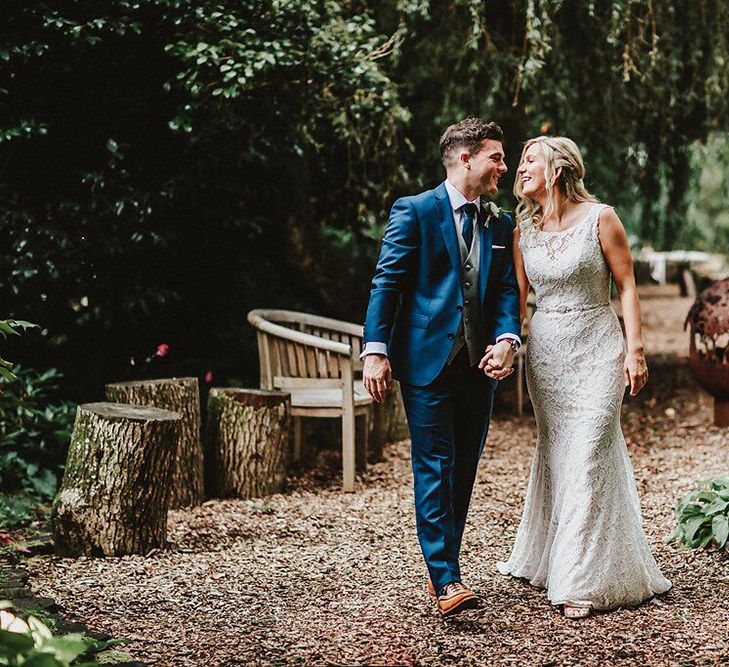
567,269
581,534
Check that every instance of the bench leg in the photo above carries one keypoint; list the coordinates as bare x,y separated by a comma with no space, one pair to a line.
377,442
361,443
298,437
348,456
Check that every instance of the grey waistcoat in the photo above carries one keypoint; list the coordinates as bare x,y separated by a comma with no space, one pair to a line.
470,330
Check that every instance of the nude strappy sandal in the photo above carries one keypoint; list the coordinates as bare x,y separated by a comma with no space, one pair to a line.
576,612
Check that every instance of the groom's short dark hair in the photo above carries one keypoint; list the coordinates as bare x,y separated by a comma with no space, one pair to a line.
467,133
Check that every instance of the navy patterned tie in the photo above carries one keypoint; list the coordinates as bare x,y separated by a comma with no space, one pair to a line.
469,214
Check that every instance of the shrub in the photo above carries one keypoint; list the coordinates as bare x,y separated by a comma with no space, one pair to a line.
35,429
31,642
702,516
10,328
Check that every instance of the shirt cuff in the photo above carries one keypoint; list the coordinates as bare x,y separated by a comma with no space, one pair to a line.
509,336
374,348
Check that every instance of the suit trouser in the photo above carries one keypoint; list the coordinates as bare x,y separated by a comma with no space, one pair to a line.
448,421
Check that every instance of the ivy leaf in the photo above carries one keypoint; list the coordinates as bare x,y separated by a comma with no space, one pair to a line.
693,525
716,506
16,641
720,528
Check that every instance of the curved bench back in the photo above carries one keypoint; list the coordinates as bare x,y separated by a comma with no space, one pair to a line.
316,351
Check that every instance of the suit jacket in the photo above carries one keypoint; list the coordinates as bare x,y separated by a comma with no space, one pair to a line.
416,301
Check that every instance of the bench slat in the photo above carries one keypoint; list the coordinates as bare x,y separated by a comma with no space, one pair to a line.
322,364
301,360
291,357
277,365
327,398
333,363
308,384
311,369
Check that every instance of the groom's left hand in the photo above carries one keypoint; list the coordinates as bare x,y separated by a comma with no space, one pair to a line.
498,360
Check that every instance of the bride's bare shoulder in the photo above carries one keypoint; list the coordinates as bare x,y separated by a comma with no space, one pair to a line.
607,216
610,228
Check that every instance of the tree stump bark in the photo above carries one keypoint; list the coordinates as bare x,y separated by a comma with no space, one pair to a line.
246,435
395,425
115,491
179,395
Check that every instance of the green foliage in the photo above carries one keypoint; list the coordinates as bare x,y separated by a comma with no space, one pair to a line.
194,159
18,508
35,429
702,516
10,328
31,643
634,82
707,222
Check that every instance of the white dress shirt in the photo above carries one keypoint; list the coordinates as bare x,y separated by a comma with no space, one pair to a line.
457,200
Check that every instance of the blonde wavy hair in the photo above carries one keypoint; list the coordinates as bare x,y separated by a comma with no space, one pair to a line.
558,152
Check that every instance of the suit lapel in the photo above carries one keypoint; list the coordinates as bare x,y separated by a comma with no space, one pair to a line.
444,214
487,235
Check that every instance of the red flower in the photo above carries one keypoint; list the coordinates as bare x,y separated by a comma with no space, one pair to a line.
162,350
5,539
209,376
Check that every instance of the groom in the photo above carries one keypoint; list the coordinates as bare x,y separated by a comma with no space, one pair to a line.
443,319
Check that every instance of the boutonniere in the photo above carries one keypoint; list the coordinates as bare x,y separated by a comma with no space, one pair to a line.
492,209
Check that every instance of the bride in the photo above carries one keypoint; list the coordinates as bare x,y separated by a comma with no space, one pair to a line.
581,534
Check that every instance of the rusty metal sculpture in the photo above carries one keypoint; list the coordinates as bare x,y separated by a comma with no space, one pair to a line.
709,350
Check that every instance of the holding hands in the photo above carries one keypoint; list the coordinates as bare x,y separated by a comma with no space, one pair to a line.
498,360
496,364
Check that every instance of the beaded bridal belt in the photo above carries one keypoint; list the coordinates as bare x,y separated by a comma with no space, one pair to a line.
575,309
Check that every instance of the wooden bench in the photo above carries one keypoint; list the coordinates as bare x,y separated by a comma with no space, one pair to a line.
316,359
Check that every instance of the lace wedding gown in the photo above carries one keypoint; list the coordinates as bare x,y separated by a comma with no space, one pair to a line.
581,534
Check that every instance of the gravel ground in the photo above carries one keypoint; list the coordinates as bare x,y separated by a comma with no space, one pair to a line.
314,576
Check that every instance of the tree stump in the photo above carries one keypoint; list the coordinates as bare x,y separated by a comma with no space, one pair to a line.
395,425
246,435
115,491
179,395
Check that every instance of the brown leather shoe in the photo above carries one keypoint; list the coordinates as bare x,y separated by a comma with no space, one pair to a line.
431,588
456,598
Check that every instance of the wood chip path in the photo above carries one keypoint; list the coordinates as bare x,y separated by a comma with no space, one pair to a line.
317,577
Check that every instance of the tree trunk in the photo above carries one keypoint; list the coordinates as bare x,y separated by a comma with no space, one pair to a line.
115,492
247,433
180,395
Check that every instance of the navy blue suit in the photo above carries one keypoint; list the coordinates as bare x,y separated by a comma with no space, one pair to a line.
415,307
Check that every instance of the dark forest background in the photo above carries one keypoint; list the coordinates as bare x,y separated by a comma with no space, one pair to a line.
165,166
